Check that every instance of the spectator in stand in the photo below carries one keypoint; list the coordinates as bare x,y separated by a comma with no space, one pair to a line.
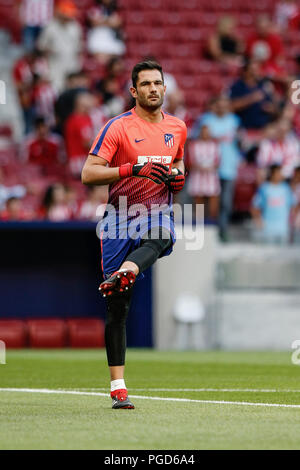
54,206
104,35
79,133
272,208
44,149
203,182
72,200
295,185
223,127
280,147
7,192
112,102
196,128
264,45
176,107
224,45
62,41
253,98
116,69
98,113
34,15
44,96
76,82
25,70
287,15
14,211
94,207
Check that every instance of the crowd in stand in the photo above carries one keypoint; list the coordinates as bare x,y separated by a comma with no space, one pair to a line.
66,93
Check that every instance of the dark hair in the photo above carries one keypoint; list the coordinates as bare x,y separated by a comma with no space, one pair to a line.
39,121
272,169
49,195
12,199
145,65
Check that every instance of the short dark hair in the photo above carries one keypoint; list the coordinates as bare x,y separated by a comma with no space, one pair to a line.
39,121
272,169
145,65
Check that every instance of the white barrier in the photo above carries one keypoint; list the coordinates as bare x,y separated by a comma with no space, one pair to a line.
184,271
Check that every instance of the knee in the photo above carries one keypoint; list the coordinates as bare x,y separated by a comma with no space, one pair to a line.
117,309
158,245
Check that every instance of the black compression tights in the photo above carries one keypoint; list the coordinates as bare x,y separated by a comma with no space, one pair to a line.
118,305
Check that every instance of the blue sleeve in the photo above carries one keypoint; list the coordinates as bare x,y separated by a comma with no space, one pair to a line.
258,200
236,120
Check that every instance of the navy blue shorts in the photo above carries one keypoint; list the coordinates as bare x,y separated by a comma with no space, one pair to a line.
123,238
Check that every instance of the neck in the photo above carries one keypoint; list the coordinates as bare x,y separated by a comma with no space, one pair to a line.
154,115
251,81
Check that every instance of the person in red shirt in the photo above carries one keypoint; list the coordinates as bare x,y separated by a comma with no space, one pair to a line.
287,15
264,44
54,206
24,71
14,211
44,149
79,132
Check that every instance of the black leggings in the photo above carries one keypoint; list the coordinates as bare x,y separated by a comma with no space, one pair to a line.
118,305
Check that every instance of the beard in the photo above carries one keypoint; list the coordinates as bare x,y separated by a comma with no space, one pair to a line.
149,105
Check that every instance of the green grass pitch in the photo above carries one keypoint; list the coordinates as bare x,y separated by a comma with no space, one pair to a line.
67,421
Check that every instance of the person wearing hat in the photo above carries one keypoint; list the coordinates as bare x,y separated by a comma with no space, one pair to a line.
62,41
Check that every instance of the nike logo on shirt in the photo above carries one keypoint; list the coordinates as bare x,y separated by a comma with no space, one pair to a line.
139,140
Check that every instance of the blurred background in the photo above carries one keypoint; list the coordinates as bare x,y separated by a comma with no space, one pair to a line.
229,66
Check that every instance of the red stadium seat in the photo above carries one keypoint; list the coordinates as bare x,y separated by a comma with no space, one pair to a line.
86,333
50,333
13,333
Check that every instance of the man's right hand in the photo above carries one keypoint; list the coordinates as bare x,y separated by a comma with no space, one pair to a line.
156,172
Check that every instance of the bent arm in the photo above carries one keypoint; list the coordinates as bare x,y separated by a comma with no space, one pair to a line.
96,172
179,164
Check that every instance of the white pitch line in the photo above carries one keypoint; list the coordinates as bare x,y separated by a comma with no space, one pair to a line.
141,397
252,390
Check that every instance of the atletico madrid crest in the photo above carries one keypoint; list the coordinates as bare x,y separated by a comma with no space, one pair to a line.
169,140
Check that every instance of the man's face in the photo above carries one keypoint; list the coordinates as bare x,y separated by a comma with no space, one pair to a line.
150,89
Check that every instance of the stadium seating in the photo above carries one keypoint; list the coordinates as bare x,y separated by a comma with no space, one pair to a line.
86,333
50,333
175,32
13,333
53,333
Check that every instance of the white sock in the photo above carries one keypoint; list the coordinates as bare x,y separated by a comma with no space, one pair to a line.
117,384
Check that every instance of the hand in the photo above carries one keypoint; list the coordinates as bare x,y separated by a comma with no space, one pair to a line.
156,172
175,181
257,96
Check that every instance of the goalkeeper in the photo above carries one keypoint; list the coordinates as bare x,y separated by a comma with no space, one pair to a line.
140,155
